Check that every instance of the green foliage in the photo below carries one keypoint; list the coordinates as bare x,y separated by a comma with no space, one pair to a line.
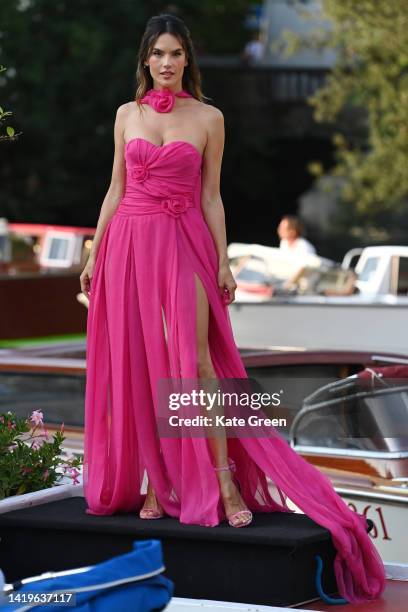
29,459
71,64
371,39
217,27
10,131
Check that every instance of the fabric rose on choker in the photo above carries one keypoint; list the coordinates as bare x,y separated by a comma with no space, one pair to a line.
162,100
139,173
176,205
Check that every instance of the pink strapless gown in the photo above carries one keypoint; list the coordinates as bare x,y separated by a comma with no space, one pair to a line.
152,247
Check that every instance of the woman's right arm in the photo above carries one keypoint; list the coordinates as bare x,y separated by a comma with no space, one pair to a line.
115,191
112,198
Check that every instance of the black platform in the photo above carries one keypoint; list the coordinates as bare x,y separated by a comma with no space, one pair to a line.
270,562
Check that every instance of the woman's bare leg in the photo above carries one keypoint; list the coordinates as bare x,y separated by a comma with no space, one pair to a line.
151,502
231,497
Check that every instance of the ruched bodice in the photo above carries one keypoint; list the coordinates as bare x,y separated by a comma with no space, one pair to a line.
161,178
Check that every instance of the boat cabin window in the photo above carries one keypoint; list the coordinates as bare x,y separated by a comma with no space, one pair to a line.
369,268
60,249
402,284
5,247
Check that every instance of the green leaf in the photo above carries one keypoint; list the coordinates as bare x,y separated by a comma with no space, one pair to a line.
21,489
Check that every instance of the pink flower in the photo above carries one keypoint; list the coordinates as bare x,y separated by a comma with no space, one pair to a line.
162,100
26,470
45,475
139,173
74,473
175,205
66,465
37,443
37,417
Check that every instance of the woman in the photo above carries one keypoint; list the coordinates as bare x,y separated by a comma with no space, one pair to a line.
159,285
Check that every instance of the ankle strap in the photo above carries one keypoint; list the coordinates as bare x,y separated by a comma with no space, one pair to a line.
231,466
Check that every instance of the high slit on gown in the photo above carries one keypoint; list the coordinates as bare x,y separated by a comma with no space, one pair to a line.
141,328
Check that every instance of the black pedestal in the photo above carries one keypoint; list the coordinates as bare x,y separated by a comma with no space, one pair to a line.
270,562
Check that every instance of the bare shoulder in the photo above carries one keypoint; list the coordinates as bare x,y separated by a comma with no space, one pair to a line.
126,114
210,113
215,126
212,119
124,109
213,111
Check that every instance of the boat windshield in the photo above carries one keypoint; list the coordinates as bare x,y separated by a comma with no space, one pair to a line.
369,268
356,413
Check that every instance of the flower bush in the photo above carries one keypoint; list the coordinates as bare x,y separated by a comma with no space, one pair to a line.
30,460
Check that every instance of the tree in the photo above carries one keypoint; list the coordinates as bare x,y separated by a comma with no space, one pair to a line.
70,65
371,74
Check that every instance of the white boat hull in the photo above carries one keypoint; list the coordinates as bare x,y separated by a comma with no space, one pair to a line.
322,323
389,533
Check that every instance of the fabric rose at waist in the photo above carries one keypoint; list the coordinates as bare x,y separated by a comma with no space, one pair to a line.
142,204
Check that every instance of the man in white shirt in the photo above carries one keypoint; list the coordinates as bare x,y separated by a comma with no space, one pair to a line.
290,232
254,50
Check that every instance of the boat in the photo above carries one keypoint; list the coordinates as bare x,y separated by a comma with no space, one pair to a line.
262,272
356,431
40,267
374,481
324,311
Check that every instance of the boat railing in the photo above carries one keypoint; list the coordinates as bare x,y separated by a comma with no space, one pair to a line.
352,411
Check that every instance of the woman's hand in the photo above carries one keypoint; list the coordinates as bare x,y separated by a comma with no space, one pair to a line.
86,277
226,281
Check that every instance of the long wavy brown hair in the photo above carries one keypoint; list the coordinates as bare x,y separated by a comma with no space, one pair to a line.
170,24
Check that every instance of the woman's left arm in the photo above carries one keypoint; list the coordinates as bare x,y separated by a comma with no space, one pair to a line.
211,202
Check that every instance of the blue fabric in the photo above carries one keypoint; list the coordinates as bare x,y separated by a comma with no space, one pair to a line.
144,596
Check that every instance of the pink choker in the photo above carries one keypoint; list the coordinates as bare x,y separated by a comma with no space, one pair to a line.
162,100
